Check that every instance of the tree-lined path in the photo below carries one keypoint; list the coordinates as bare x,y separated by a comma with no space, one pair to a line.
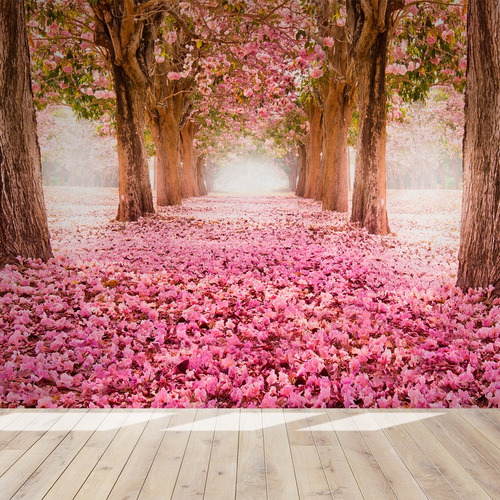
323,297
246,301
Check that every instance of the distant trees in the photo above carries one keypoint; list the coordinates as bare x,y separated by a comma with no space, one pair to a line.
73,151
424,143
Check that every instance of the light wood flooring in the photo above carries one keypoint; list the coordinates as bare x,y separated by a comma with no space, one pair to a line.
249,454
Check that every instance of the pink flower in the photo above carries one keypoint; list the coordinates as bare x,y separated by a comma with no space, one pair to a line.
173,75
328,41
316,72
171,37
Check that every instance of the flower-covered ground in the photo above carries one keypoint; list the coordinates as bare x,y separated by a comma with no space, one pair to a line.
263,301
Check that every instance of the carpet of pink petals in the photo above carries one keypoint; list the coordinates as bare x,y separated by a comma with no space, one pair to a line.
246,302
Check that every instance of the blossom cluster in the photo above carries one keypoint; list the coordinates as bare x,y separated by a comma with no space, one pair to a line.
244,302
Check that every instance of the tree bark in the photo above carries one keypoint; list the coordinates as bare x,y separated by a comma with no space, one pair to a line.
293,164
128,41
369,196
337,89
188,158
372,22
200,175
479,254
165,131
314,148
337,117
301,184
136,198
23,218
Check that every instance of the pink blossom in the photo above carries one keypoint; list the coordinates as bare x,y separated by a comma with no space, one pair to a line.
328,41
170,37
316,72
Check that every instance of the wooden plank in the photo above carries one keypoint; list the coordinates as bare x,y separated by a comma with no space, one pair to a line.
13,430
9,416
309,473
369,476
424,471
102,478
49,471
75,474
132,477
394,468
338,472
493,414
251,478
221,479
488,448
164,470
463,483
481,421
22,441
26,465
192,476
280,473
466,455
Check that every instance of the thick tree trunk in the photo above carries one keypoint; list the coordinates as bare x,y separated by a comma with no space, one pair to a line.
301,184
188,158
165,131
314,148
369,195
23,218
200,175
479,255
337,118
136,198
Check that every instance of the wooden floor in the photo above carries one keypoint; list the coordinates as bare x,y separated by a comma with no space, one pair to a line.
249,454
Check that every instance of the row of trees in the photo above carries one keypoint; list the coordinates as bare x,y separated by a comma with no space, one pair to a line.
171,64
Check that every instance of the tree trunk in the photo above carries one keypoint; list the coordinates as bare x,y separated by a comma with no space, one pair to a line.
314,148
369,195
128,42
337,118
188,158
23,218
294,171
200,175
165,131
134,186
301,184
479,254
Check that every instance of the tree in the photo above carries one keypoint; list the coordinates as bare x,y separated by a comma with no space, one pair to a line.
479,254
314,148
127,33
370,32
189,158
23,218
335,87
167,102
